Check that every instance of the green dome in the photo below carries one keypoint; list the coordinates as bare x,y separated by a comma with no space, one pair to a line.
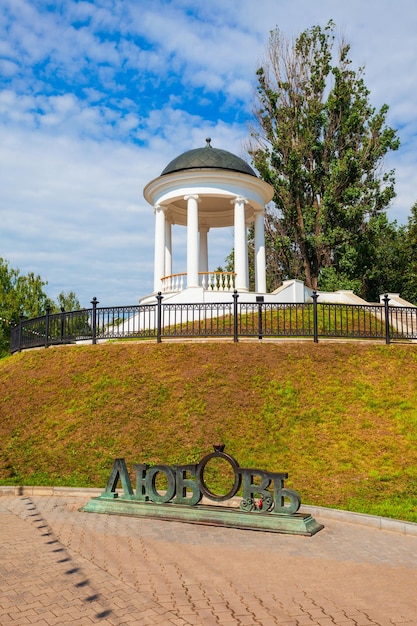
208,158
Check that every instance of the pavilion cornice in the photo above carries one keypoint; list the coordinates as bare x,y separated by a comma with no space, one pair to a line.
221,183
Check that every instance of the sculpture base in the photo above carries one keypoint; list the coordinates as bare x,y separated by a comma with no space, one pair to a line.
296,524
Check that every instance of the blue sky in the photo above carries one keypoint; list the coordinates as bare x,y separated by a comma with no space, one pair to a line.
96,97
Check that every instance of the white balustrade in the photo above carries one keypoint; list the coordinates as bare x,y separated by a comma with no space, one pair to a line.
217,281
210,281
173,283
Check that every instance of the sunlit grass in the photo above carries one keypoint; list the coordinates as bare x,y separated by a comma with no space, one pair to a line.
340,418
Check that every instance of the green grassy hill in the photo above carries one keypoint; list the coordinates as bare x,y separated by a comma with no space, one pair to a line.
341,418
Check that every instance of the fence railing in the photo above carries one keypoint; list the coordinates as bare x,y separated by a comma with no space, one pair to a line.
232,319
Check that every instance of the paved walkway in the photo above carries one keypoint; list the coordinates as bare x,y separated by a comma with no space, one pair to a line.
60,566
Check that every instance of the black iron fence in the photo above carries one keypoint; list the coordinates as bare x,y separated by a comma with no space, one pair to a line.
232,319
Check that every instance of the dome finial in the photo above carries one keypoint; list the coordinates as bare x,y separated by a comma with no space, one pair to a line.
207,157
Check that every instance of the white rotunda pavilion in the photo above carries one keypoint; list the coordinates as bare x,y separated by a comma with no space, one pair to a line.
204,189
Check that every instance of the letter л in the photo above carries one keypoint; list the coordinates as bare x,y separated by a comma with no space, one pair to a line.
119,470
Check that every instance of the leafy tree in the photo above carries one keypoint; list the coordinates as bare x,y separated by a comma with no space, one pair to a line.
25,295
18,294
68,302
387,257
320,144
374,265
408,285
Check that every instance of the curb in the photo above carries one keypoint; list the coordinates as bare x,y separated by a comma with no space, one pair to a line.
362,519
18,490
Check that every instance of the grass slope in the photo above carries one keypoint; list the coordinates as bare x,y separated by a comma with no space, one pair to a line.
340,418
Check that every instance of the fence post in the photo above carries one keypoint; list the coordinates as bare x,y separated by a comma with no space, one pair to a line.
48,313
62,324
315,317
94,302
387,331
19,335
159,317
235,326
260,300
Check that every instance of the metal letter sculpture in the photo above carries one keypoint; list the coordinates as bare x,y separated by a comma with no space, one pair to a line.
261,507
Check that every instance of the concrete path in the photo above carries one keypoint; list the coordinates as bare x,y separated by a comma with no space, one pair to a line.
60,566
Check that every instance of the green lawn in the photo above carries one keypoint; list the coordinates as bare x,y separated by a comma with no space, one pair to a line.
340,418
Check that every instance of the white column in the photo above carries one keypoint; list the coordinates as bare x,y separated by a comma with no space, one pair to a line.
192,240
260,259
159,258
203,248
241,244
168,247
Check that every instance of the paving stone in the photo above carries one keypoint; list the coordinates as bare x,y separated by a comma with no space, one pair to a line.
61,566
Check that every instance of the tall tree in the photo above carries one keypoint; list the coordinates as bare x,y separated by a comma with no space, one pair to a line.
320,144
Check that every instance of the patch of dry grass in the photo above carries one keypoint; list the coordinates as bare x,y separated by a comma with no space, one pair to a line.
341,418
